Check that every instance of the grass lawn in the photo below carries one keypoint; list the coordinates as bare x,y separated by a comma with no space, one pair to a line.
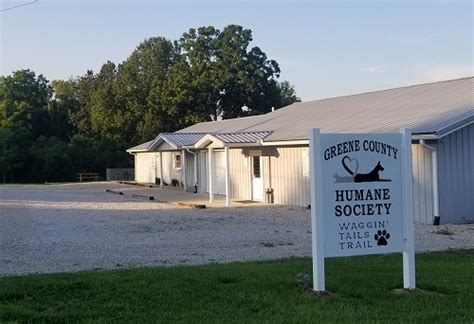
362,289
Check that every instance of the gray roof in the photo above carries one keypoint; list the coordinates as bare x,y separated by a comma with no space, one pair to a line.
245,137
181,139
432,108
178,140
141,147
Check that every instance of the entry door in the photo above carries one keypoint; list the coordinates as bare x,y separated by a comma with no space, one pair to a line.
257,179
219,172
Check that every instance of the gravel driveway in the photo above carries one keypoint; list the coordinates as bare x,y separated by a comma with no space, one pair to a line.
62,228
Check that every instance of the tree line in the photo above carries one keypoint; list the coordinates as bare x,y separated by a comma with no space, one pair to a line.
49,131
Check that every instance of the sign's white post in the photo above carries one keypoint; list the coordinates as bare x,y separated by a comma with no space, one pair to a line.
408,227
317,225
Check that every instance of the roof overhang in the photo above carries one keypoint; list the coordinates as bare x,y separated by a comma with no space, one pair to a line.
160,139
209,140
285,143
214,141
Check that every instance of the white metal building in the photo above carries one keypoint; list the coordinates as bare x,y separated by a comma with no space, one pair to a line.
243,158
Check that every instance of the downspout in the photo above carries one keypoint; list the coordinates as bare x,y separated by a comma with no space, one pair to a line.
195,169
434,171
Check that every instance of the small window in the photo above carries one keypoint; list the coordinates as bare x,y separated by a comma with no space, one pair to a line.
305,159
177,161
256,166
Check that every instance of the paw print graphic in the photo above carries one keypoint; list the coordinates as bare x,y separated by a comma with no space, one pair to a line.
381,237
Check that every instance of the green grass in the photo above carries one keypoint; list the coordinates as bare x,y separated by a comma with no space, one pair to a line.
362,289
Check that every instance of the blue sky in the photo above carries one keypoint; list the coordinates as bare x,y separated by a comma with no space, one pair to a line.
324,49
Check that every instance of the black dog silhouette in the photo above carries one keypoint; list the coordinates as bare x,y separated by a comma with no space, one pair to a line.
372,176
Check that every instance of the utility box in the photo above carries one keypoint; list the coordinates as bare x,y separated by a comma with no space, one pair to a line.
269,197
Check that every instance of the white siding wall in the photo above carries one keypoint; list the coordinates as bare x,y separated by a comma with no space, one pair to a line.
290,186
456,176
202,173
145,164
422,184
239,175
169,172
147,167
190,181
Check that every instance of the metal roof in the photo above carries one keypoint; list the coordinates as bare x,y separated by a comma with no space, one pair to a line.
232,139
180,140
245,137
177,140
141,147
433,108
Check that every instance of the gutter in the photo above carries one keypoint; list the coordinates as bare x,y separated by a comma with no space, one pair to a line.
434,172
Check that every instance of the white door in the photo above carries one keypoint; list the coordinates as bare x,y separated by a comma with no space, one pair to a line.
257,179
152,170
219,172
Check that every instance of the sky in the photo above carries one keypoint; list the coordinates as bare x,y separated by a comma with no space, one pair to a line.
324,48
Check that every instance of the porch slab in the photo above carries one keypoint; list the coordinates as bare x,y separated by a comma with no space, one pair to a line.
175,195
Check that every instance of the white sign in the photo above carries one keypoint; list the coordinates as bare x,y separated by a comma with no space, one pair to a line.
361,197
362,193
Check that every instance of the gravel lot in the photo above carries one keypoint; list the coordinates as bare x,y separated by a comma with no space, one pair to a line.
72,227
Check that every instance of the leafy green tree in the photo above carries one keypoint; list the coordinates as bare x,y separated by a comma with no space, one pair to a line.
67,107
24,98
50,131
145,69
76,94
104,110
14,139
287,94
49,160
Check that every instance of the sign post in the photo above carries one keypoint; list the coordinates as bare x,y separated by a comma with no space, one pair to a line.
409,231
361,198
317,209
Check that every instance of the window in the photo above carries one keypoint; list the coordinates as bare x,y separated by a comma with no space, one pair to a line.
256,166
305,159
177,161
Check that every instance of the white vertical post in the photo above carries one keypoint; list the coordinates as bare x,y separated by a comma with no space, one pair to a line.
227,180
161,171
183,168
211,177
135,158
317,220
196,155
155,163
408,227
271,199
250,164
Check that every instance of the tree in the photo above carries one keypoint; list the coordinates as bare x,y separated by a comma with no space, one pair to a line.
144,71
287,94
226,75
104,110
50,160
24,98
50,131
24,115
14,138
